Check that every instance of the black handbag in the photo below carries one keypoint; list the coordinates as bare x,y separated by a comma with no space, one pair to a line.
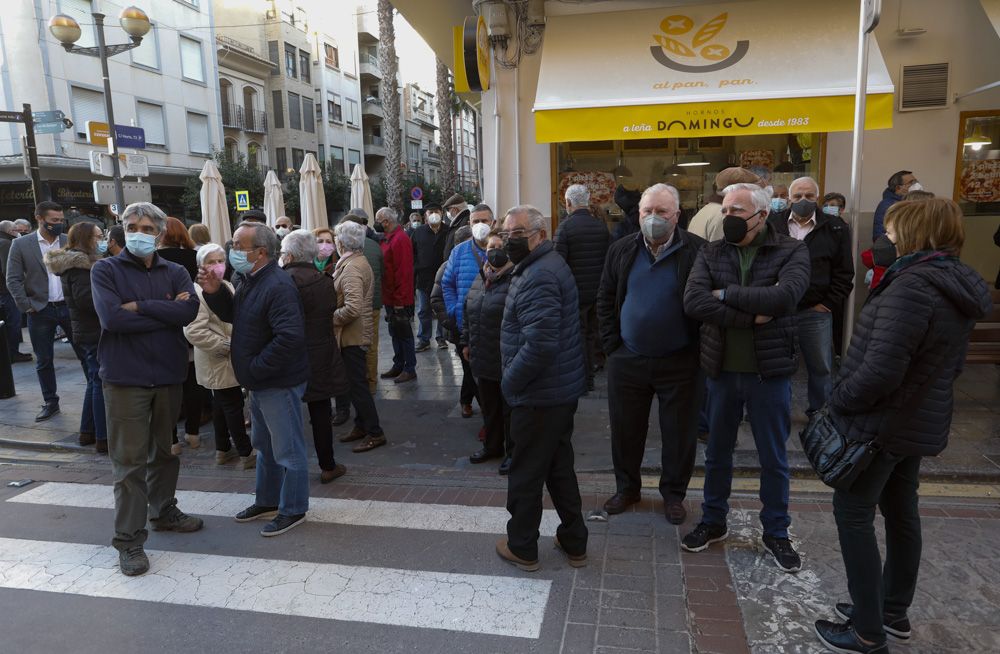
839,461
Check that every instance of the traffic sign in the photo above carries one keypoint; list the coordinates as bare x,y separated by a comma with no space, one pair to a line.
416,204
243,200
104,192
11,117
130,165
49,128
416,193
128,137
55,116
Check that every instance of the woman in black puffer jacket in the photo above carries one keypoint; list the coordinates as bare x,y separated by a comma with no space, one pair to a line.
914,328
85,246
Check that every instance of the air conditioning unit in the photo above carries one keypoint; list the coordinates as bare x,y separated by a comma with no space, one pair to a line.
923,86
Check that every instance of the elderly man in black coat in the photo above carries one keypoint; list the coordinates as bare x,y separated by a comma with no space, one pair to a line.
583,242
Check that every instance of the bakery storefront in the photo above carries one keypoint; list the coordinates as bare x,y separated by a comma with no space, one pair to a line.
675,95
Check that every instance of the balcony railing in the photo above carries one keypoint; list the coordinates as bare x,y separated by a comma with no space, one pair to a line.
374,140
255,121
235,116
233,43
367,58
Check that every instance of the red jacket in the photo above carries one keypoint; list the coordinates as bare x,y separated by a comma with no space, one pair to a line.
397,279
878,271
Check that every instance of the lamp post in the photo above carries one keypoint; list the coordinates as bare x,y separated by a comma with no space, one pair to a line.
67,31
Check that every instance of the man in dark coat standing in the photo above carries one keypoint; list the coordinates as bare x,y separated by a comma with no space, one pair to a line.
901,183
458,215
652,349
542,355
428,255
583,242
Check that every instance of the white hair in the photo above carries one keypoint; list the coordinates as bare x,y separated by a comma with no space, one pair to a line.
535,217
207,249
138,210
23,222
578,195
300,245
803,180
351,235
662,188
6,226
388,213
760,197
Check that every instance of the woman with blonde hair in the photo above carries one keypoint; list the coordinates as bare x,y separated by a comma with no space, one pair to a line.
895,391
200,235
326,258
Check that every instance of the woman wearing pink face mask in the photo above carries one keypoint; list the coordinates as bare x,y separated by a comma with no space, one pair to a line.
326,260
210,337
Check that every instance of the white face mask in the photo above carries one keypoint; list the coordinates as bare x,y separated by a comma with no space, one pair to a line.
480,231
434,219
916,186
282,231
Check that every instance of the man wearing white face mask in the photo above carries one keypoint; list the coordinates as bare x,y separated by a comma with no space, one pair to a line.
901,183
652,349
282,226
428,255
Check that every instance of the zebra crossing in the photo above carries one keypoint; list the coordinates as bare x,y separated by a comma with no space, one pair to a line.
420,566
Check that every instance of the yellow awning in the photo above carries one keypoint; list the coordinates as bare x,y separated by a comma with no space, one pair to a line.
706,70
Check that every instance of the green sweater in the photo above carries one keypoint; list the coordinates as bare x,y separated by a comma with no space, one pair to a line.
740,354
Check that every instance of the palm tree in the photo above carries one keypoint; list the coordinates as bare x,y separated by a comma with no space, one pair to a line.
390,105
445,99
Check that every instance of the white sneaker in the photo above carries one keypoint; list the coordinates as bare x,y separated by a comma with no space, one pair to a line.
249,462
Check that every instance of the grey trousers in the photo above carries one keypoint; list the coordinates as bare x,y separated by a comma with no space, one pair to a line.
140,429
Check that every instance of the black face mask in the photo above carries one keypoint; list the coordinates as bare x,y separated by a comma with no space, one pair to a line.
497,257
804,208
884,252
517,248
734,228
54,228
379,228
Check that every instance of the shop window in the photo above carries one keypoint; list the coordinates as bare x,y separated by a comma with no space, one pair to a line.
977,168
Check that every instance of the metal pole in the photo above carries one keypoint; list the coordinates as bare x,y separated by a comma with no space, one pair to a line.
115,167
870,12
31,152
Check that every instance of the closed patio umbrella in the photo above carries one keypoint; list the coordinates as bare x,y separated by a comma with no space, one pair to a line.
361,193
214,212
312,202
274,199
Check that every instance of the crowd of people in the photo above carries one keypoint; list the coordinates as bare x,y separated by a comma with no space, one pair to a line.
711,321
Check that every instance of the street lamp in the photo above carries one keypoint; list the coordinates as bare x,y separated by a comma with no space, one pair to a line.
67,31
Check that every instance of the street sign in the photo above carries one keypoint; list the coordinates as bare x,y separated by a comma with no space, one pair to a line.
11,117
104,192
128,137
416,193
55,116
417,204
131,165
243,200
49,128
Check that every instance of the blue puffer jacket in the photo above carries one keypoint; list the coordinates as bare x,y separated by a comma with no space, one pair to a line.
463,267
268,346
540,342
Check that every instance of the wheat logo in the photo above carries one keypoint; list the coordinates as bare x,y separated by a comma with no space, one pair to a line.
673,41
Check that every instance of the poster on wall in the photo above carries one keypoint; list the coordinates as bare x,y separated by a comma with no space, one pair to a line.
601,184
980,181
759,157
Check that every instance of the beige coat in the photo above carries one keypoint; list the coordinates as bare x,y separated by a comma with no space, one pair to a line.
210,337
355,286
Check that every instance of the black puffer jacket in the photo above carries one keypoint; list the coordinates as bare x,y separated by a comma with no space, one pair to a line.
915,323
73,268
461,220
583,242
628,202
482,318
778,278
614,282
428,255
829,243
327,375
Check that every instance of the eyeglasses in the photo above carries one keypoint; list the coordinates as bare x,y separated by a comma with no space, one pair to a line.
517,233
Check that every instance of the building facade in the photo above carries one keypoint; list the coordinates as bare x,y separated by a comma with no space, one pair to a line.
420,149
466,136
338,91
243,77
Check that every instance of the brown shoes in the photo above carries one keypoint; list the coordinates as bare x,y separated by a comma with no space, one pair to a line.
391,373
619,502
575,560
504,552
404,377
356,434
675,511
466,410
370,443
327,476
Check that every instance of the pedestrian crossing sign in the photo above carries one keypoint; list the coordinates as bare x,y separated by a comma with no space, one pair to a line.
243,200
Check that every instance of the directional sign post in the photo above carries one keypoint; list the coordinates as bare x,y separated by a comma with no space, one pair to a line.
30,149
126,135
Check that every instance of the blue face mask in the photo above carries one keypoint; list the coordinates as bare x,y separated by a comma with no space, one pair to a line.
779,204
139,244
238,260
102,247
831,210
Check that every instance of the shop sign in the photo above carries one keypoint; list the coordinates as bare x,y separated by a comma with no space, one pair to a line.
471,43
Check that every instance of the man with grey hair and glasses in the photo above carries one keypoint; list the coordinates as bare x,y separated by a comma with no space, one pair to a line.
9,313
268,351
744,289
143,302
542,360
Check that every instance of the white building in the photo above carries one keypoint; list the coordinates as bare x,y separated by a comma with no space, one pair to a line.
243,83
338,93
166,86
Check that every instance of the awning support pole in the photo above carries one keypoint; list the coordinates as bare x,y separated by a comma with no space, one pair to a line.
871,10
985,87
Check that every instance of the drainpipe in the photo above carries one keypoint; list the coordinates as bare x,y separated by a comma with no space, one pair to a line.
496,140
517,141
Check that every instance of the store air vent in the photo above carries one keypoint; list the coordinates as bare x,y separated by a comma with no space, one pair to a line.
924,87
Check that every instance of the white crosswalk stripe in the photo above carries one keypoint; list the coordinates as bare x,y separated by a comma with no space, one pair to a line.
369,513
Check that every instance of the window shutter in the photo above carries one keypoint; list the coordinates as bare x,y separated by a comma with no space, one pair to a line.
150,119
191,61
87,105
294,111
198,140
278,108
308,117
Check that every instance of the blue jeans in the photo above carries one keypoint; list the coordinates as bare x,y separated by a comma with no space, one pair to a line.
12,322
42,330
404,353
276,432
424,318
815,332
93,420
768,402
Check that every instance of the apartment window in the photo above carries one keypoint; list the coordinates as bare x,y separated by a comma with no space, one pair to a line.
305,67
322,153
308,115
150,119
413,153
279,114
332,55
192,66
337,157
294,111
352,112
272,55
87,105
80,11
146,54
335,112
198,139
353,158
281,156
298,156
290,61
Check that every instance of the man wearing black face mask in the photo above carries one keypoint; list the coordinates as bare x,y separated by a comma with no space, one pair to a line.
39,293
745,289
831,281
542,355
652,350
